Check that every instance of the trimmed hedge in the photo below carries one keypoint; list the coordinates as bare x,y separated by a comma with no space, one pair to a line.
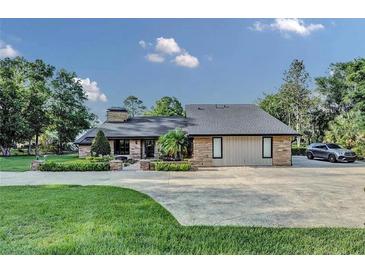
75,166
298,151
171,166
96,159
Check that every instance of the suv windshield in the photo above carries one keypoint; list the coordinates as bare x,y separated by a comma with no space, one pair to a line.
333,146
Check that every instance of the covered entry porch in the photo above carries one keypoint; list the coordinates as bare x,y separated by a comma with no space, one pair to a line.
135,148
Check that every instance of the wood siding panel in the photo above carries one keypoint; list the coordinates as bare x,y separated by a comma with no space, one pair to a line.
242,151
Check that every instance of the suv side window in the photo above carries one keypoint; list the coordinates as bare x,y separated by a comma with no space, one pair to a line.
320,147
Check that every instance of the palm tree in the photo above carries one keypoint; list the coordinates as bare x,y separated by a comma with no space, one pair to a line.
174,143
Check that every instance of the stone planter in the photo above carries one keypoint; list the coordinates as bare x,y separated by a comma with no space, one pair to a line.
144,165
116,165
152,165
35,165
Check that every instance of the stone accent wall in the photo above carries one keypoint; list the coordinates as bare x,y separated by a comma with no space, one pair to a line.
202,151
116,116
281,149
135,149
144,165
111,143
35,165
116,165
84,150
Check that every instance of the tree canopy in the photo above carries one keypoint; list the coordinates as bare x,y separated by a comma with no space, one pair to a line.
134,106
293,100
13,123
167,106
67,108
33,99
333,111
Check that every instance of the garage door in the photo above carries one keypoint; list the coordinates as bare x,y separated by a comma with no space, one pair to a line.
242,151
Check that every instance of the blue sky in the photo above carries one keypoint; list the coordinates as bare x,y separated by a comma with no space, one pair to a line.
196,60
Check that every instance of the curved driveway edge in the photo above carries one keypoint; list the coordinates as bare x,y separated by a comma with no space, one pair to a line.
262,196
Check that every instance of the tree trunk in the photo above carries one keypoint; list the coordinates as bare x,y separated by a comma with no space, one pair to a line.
36,144
30,146
299,137
60,148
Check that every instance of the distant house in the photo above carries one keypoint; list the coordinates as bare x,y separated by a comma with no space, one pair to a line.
221,135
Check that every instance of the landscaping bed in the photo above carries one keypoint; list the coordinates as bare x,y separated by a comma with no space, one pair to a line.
75,166
60,219
82,164
170,166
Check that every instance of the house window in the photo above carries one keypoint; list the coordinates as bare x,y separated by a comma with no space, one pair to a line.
217,148
121,147
267,147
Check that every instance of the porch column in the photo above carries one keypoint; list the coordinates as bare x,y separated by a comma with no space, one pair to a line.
135,147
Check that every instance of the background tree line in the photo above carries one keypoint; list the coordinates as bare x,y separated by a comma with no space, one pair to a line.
36,100
165,106
332,111
40,103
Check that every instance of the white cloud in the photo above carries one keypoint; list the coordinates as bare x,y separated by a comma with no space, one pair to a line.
287,26
167,46
155,58
143,44
296,25
7,50
92,90
186,60
258,26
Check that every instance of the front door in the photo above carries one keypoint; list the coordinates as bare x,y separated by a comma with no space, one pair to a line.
149,148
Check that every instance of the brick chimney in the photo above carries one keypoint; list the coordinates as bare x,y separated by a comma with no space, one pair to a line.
116,114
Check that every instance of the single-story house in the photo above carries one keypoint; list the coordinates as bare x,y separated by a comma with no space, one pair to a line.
221,135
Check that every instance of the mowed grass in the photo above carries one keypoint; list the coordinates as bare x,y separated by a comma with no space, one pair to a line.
109,220
23,162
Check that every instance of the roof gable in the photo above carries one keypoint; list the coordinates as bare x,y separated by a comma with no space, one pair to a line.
233,119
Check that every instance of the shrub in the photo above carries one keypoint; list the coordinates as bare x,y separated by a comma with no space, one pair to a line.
173,144
99,159
100,145
170,166
75,166
298,150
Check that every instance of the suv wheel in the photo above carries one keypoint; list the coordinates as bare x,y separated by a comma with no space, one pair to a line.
310,155
332,158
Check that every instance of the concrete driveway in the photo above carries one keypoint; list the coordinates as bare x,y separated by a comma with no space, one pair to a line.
309,194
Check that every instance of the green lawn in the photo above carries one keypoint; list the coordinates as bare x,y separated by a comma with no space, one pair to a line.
110,220
22,163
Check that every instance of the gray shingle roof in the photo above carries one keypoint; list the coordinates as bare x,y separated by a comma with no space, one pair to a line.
141,127
202,119
233,119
